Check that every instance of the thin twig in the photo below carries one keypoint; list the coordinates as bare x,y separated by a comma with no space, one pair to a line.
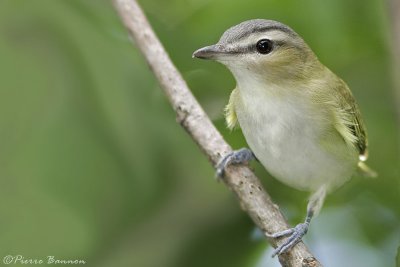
240,179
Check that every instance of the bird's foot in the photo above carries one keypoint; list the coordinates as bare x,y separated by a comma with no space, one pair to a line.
243,155
295,234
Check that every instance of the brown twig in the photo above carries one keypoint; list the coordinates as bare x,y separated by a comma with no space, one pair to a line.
240,179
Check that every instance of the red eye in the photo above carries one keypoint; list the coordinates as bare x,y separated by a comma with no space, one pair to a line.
264,46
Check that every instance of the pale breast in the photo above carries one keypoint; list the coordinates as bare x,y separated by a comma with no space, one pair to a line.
286,132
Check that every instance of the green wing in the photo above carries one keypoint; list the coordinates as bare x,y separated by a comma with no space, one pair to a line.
230,113
350,125
348,121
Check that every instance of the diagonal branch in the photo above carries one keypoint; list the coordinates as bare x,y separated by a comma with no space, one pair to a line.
240,179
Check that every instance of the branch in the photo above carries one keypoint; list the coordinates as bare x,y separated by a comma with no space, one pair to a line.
239,179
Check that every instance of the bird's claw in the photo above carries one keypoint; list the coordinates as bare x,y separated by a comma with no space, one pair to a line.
243,155
295,235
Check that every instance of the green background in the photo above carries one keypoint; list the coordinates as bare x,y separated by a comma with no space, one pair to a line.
94,166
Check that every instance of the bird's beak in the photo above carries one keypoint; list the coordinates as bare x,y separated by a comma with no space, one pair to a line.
210,52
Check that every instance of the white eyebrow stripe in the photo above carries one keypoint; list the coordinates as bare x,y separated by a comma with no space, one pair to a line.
266,29
273,35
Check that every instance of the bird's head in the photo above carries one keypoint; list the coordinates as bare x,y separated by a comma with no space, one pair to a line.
262,48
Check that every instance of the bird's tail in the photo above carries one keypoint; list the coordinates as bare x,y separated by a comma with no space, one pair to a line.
366,171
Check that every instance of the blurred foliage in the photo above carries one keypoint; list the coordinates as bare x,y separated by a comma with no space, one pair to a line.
398,258
93,165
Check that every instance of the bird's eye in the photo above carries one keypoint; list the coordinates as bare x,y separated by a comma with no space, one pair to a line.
264,46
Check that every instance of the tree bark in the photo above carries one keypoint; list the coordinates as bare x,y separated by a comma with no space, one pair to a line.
240,179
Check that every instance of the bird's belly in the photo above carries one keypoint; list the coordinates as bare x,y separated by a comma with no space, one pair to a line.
286,139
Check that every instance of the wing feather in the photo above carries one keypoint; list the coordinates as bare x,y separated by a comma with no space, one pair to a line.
348,121
230,113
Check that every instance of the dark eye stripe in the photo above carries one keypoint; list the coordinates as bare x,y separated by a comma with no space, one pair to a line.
252,48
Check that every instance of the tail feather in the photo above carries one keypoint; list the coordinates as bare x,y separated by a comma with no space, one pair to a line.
366,171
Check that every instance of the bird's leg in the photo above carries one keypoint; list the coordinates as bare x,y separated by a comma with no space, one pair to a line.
243,155
295,234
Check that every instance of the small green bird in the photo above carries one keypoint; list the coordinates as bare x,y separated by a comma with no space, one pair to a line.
299,119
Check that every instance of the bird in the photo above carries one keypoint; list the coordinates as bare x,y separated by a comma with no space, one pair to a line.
299,119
